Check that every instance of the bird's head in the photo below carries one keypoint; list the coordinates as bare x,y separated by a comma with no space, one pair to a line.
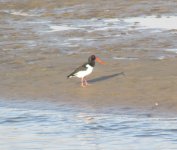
93,58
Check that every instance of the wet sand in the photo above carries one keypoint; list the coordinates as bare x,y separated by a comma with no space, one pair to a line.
146,84
34,63
97,8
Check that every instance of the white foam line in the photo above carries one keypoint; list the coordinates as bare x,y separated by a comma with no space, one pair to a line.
161,57
20,13
171,50
148,22
112,20
156,24
107,28
126,58
75,39
164,57
62,28
39,22
163,22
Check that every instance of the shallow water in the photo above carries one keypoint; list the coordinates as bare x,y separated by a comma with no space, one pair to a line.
35,28
50,125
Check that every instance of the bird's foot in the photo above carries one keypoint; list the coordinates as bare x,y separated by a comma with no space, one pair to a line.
86,83
83,85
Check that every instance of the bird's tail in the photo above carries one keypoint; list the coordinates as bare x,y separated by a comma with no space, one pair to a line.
70,76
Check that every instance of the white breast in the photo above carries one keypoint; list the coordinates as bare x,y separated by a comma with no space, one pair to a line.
84,73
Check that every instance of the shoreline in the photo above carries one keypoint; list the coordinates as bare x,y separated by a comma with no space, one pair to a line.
146,83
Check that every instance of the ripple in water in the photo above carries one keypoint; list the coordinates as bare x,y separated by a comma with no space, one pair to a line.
40,125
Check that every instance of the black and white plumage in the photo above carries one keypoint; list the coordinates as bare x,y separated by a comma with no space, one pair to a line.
85,70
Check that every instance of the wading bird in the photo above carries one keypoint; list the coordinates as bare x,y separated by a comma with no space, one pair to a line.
85,69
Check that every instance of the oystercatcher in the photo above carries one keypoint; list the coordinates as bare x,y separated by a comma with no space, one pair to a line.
85,69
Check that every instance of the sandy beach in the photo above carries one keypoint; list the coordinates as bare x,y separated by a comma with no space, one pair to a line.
142,84
42,43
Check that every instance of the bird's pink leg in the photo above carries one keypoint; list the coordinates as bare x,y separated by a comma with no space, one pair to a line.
82,82
86,83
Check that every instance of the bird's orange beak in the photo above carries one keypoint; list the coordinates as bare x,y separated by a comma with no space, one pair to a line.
100,61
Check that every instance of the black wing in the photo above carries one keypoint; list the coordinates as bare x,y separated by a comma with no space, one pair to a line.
81,68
